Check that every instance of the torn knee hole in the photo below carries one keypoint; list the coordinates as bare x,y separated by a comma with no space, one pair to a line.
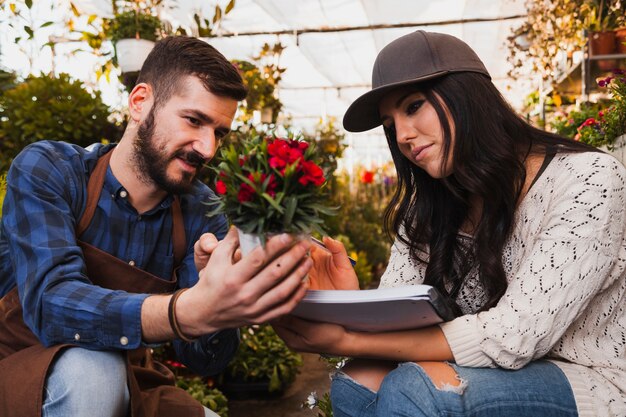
444,377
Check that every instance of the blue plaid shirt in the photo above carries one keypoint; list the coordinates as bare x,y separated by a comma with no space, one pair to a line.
46,196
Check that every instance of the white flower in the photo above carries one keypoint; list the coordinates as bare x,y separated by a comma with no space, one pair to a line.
311,400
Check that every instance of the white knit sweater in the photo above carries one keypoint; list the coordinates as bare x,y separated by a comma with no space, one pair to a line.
566,298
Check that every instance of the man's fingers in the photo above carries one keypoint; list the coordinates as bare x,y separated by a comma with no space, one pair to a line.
286,307
205,245
284,290
228,245
276,247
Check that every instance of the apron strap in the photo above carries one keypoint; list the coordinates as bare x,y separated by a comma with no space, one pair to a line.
94,189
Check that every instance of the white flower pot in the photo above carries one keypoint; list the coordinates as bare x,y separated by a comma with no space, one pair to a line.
619,149
131,53
247,242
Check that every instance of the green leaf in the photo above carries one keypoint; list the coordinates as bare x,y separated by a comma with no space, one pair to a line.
270,200
43,25
291,205
29,31
29,3
274,381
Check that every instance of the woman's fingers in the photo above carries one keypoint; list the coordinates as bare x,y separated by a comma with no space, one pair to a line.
339,253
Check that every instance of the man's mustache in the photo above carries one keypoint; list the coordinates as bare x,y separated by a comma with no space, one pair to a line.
193,158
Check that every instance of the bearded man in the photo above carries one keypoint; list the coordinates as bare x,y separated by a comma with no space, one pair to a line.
106,251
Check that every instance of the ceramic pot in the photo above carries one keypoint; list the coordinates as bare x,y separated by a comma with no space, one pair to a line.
620,40
601,43
131,53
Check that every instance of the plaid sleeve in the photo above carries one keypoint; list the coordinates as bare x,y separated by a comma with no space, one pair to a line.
60,303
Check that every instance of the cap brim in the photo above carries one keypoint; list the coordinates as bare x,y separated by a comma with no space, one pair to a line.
363,113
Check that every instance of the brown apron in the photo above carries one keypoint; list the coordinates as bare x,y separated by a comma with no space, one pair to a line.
24,361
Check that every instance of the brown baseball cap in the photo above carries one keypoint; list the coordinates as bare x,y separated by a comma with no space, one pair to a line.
410,59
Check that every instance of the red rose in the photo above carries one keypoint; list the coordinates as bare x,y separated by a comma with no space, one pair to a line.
220,187
311,173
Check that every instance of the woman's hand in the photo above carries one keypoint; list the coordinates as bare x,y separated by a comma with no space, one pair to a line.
314,337
332,269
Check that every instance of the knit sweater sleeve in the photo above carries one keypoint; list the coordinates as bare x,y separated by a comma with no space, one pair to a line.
567,261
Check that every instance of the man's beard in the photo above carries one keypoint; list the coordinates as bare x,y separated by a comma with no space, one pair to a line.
152,160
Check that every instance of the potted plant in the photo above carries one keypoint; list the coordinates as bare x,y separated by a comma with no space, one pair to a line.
608,128
207,395
133,33
602,18
270,184
262,365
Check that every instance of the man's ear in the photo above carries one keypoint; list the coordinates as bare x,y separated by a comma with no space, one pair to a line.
140,101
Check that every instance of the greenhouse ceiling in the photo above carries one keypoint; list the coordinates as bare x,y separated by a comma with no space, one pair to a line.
331,44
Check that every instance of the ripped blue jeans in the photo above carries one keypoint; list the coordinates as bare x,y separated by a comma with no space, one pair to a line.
539,389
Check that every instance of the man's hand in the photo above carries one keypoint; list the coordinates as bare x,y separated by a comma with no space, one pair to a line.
332,269
264,285
203,249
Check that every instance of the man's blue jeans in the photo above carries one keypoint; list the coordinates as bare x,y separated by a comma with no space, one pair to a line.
539,389
88,383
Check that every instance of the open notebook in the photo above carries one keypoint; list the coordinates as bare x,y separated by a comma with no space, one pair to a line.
384,309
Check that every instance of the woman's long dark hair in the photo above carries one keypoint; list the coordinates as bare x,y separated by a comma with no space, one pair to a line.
490,147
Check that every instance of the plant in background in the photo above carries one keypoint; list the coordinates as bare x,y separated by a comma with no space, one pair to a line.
603,15
550,34
262,77
134,24
208,396
3,190
330,145
271,184
362,267
567,124
610,122
323,404
360,217
51,108
263,357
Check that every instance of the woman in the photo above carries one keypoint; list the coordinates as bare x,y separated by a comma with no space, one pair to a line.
524,230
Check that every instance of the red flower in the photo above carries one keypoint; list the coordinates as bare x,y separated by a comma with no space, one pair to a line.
246,193
367,177
220,187
589,122
285,152
311,173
